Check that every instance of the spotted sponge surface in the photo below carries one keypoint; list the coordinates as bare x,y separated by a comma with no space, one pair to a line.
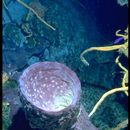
47,91
48,87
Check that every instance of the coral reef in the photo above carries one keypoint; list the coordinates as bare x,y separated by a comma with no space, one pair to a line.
75,30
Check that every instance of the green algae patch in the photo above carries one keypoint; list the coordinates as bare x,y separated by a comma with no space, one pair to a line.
6,121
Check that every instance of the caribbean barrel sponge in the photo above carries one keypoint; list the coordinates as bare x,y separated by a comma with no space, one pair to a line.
50,96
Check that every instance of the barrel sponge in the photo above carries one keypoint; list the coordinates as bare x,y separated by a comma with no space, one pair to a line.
50,94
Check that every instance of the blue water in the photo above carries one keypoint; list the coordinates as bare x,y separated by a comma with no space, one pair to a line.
109,16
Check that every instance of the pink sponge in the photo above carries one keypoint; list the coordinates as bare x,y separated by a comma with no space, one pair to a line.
50,89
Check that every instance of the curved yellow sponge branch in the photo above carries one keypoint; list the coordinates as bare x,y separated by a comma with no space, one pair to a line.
123,48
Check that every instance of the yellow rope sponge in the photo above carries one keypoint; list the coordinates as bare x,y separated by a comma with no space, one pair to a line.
108,48
121,125
125,77
123,49
104,96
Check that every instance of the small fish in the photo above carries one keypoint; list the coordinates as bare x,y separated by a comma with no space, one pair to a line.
118,40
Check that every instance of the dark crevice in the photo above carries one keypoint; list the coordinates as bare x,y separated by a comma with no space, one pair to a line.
19,122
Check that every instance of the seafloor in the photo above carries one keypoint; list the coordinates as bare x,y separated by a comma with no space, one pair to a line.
27,40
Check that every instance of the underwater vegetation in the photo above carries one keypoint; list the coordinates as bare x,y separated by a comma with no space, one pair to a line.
123,50
5,77
6,121
10,84
7,82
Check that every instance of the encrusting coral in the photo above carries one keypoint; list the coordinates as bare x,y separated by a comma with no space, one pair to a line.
122,49
5,78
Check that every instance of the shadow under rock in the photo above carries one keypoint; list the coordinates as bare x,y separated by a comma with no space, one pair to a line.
19,122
